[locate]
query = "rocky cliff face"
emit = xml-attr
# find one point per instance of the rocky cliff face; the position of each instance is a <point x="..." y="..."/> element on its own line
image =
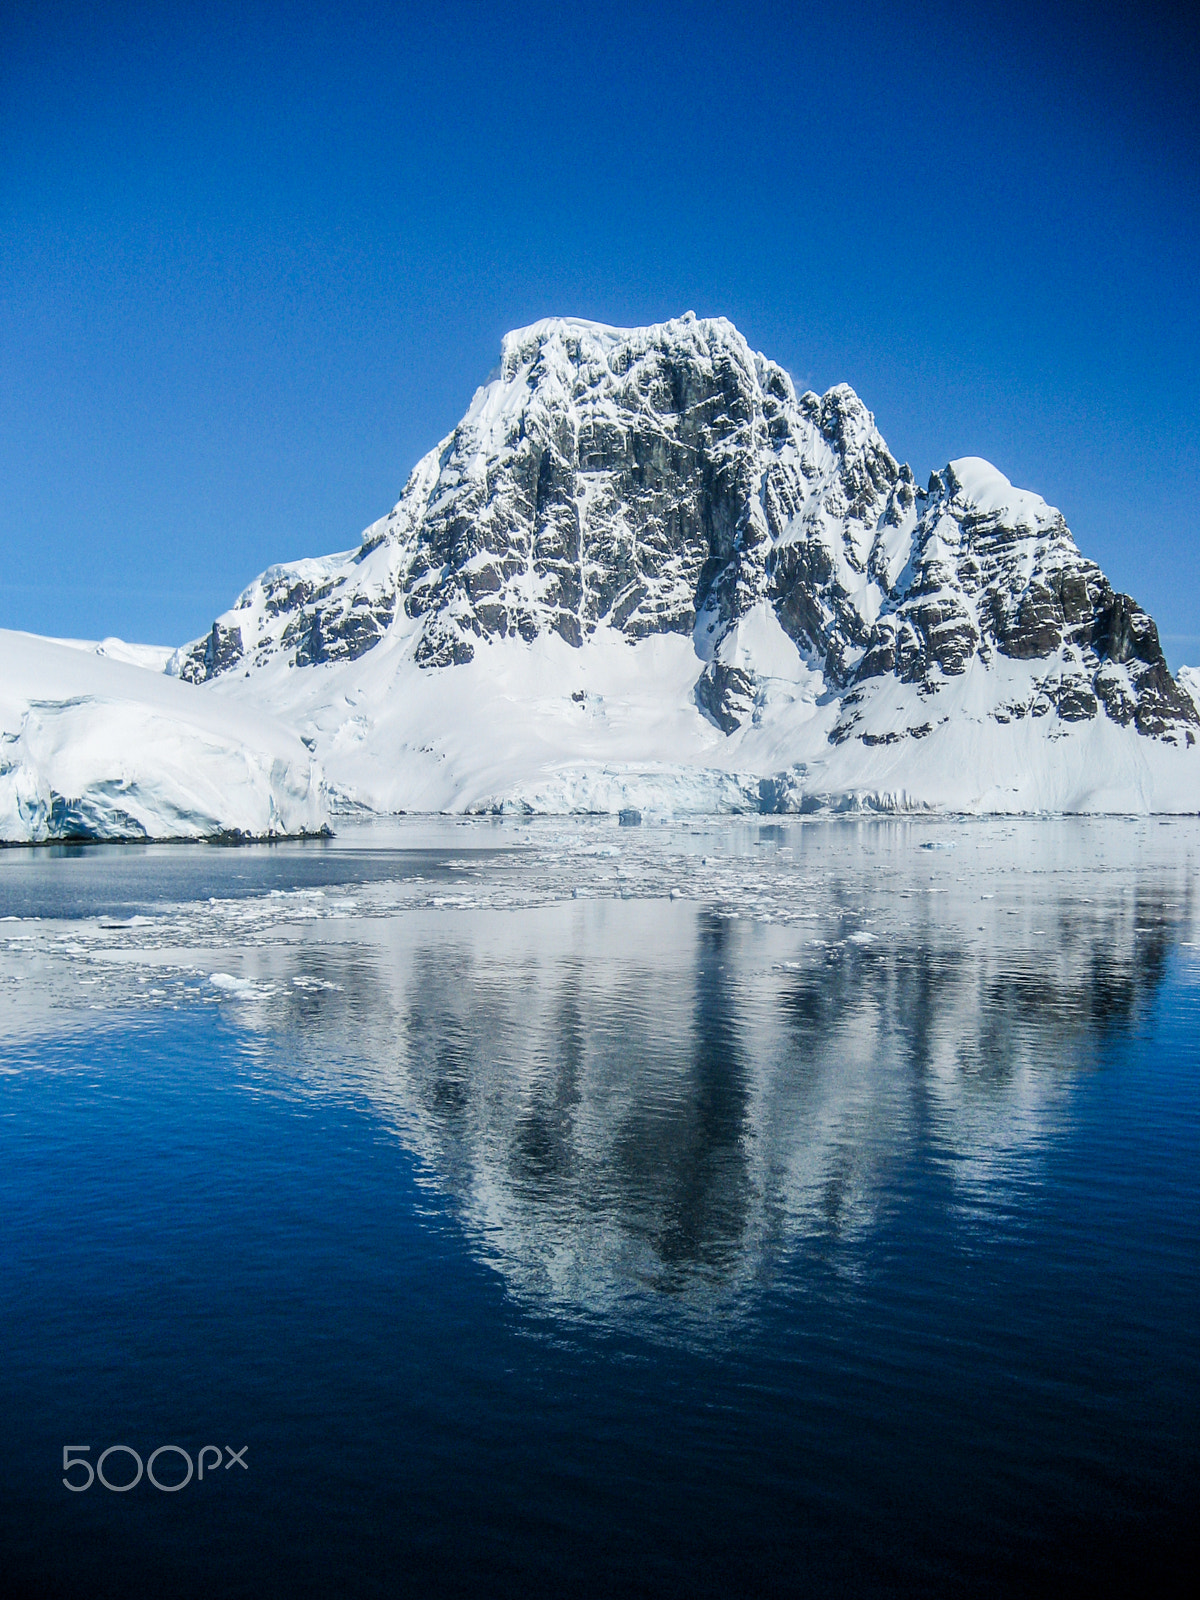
<point x="669" y="480"/>
<point x="993" y="574"/>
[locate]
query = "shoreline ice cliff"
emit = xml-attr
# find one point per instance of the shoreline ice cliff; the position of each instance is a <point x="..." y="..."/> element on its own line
<point x="97" y="747"/>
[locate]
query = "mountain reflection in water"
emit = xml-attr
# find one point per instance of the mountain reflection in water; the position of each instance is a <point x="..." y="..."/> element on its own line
<point x="635" y="1102"/>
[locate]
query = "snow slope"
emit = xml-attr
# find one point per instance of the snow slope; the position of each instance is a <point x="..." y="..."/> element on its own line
<point x="644" y="571"/>
<point x="94" y="747"/>
<point x="543" y="727"/>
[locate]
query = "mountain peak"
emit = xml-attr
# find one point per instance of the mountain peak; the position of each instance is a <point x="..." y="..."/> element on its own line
<point x="610" y="487"/>
<point x="584" y="340"/>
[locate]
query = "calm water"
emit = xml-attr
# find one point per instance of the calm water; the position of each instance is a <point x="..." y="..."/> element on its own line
<point x="563" y="1209"/>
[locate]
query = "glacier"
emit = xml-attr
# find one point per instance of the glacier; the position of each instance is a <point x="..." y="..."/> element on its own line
<point x="97" y="744"/>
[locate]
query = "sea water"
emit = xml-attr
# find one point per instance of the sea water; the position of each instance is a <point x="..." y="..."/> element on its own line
<point x="710" y="1207"/>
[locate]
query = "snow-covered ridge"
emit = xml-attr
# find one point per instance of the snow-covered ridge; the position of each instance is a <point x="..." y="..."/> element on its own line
<point x="153" y="657"/>
<point x="94" y="747"/>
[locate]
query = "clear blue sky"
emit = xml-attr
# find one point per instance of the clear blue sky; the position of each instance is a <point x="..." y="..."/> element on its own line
<point x="255" y="258"/>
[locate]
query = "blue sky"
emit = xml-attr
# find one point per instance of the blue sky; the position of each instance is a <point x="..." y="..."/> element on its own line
<point x="255" y="259"/>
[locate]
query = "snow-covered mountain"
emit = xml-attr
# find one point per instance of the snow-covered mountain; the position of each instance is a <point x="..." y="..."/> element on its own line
<point x="96" y="743"/>
<point x="643" y="570"/>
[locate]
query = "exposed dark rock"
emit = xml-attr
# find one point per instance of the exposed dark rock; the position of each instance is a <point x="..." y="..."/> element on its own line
<point x="443" y="646"/>
<point x="335" y="634"/>
<point x="220" y="651"/>
<point x="1034" y="632"/>
<point x="1076" y="702"/>
<point x="726" y="694"/>
<point x="1121" y="631"/>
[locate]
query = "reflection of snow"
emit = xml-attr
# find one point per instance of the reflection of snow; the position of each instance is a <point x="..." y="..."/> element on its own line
<point x="625" y="1094"/>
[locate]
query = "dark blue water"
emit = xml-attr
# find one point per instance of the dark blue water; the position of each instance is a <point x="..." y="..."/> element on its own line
<point x="623" y="1247"/>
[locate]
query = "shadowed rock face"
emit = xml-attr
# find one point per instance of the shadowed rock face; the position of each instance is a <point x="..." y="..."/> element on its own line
<point x="668" y="479"/>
